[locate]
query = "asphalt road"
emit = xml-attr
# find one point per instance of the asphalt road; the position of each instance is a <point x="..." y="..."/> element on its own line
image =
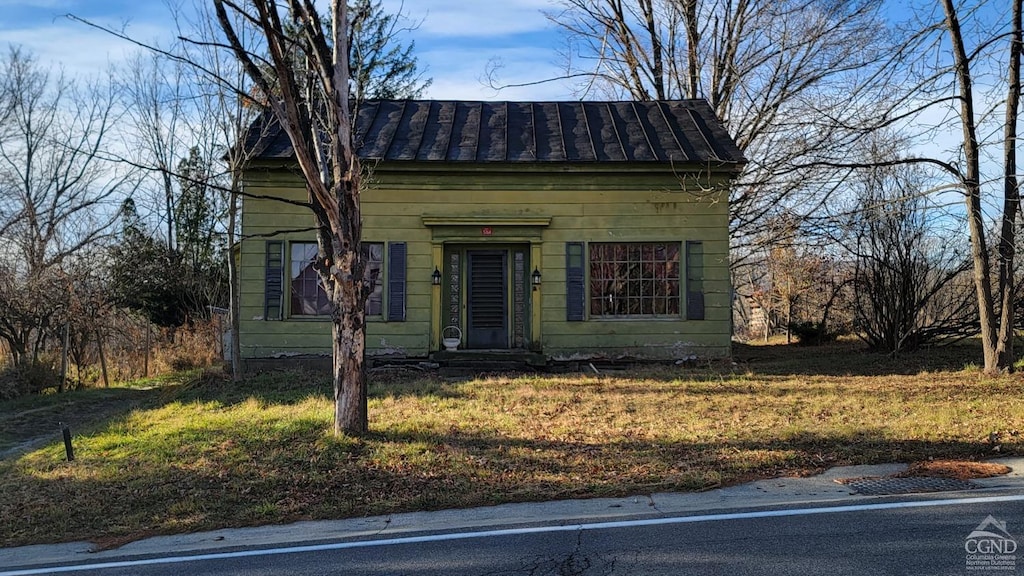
<point x="916" y="536"/>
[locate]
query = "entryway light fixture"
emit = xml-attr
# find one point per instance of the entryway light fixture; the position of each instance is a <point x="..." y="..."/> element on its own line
<point x="435" y="278"/>
<point x="535" y="277"/>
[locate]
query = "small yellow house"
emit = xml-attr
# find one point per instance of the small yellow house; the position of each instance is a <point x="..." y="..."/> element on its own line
<point x="572" y="230"/>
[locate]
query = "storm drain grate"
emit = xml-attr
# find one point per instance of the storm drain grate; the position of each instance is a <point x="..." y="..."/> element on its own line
<point x="911" y="485"/>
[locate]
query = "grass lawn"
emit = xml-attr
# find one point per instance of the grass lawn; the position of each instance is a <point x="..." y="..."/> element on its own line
<point x="201" y="453"/>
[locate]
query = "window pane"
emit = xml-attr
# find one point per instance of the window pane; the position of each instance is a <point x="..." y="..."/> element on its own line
<point x="634" y="252"/>
<point x="373" y="258"/>
<point x="634" y="279"/>
<point x="307" y="296"/>
<point x="672" y="258"/>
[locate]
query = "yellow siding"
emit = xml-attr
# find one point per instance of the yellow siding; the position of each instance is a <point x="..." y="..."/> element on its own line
<point x="586" y="204"/>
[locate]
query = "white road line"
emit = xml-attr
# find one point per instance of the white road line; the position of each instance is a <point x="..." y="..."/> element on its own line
<point x="516" y="531"/>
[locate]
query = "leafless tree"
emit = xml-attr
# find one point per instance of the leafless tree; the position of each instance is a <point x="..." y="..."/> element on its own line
<point x="909" y="280"/>
<point x="224" y="100"/>
<point x="224" y="121"/>
<point x="313" y="110"/>
<point x="169" y="135"/>
<point x="56" y="189"/>
<point x="961" y="64"/>
<point x="154" y="92"/>
<point x="788" y="78"/>
<point x="995" y="303"/>
<point x="195" y="95"/>
<point x="88" y="313"/>
<point x="798" y="285"/>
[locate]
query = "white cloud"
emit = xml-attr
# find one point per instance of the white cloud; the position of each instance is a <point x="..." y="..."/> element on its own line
<point x="454" y="43"/>
<point x="80" y="49"/>
<point x="457" y="40"/>
<point x="460" y="74"/>
<point x="454" y="88"/>
<point x="458" y="19"/>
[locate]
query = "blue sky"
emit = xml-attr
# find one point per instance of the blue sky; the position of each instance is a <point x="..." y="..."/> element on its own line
<point x="455" y="40"/>
<point x="457" y="43"/>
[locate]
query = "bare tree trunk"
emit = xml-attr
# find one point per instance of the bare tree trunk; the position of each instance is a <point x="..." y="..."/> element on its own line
<point x="972" y="194"/>
<point x="66" y="343"/>
<point x="689" y="9"/>
<point x="1011" y="199"/>
<point x="320" y="132"/>
<point x="789" y="321"/>
<point x="657" y="53"/>
<point x="103" y="358"/>
<point x="168" y="183"/>
<point x="350" y="392"/>
<point x="234" y="343"/>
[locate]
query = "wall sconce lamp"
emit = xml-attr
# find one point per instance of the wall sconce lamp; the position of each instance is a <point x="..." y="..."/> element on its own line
<point x="435" y="278"/>
<point x="535" y="277"/>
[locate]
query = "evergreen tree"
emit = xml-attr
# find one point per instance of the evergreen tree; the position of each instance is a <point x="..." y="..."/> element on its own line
<point x="145" y="275"/>
<point x="382" y="67"/>
<point x="194" y="215"/>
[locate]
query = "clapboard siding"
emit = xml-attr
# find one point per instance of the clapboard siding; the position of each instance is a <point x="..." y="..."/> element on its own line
<point x="585" y="203"/>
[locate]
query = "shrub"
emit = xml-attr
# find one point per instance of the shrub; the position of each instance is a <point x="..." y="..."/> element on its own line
<point x="31" y="378"/>
<point x="812" y="333"/>
<point x="187" y="348"/>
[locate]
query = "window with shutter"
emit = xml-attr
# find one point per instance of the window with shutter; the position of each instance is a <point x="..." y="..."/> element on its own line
<point x="636" y="279"/>
<point x="308" y="297"/>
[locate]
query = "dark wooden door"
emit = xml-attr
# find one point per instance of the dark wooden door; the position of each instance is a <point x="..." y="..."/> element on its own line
<point x="487" y="299"/>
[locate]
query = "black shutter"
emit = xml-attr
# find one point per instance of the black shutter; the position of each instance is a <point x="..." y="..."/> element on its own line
<point x="396" y="281"/>
<point x="694" y="280"/>
<point x="273" y="283"/>
<point x="694" y="305"/>
<point x="575" y="283"/>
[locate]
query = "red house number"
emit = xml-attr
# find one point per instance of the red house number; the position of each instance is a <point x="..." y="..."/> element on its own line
<point x="487" y="231"/>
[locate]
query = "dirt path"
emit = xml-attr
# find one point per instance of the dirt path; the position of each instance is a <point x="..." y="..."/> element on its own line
<point x="28" y="424"/>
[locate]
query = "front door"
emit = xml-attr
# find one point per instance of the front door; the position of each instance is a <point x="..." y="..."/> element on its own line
<point x="487" y="299"/>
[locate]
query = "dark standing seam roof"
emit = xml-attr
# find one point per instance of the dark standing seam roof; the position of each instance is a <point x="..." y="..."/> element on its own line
<point x="615" y="131"/>
<point x="676" y="131"/>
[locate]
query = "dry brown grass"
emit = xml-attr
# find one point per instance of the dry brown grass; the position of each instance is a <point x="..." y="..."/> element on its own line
<point x="207" y="453"/>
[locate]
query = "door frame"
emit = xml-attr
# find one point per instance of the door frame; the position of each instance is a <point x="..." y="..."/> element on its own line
<point x="454" y="290"/>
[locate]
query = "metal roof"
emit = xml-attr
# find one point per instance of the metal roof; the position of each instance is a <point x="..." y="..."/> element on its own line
<point x="676" y="131"/>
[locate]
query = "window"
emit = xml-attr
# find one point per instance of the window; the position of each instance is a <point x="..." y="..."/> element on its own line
<point x="373" y="258"/>
<point x="635" y="279"/>
<point x="308" y="297"/>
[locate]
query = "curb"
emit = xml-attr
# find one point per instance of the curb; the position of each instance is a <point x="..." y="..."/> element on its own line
<point x="776" y="492"/>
